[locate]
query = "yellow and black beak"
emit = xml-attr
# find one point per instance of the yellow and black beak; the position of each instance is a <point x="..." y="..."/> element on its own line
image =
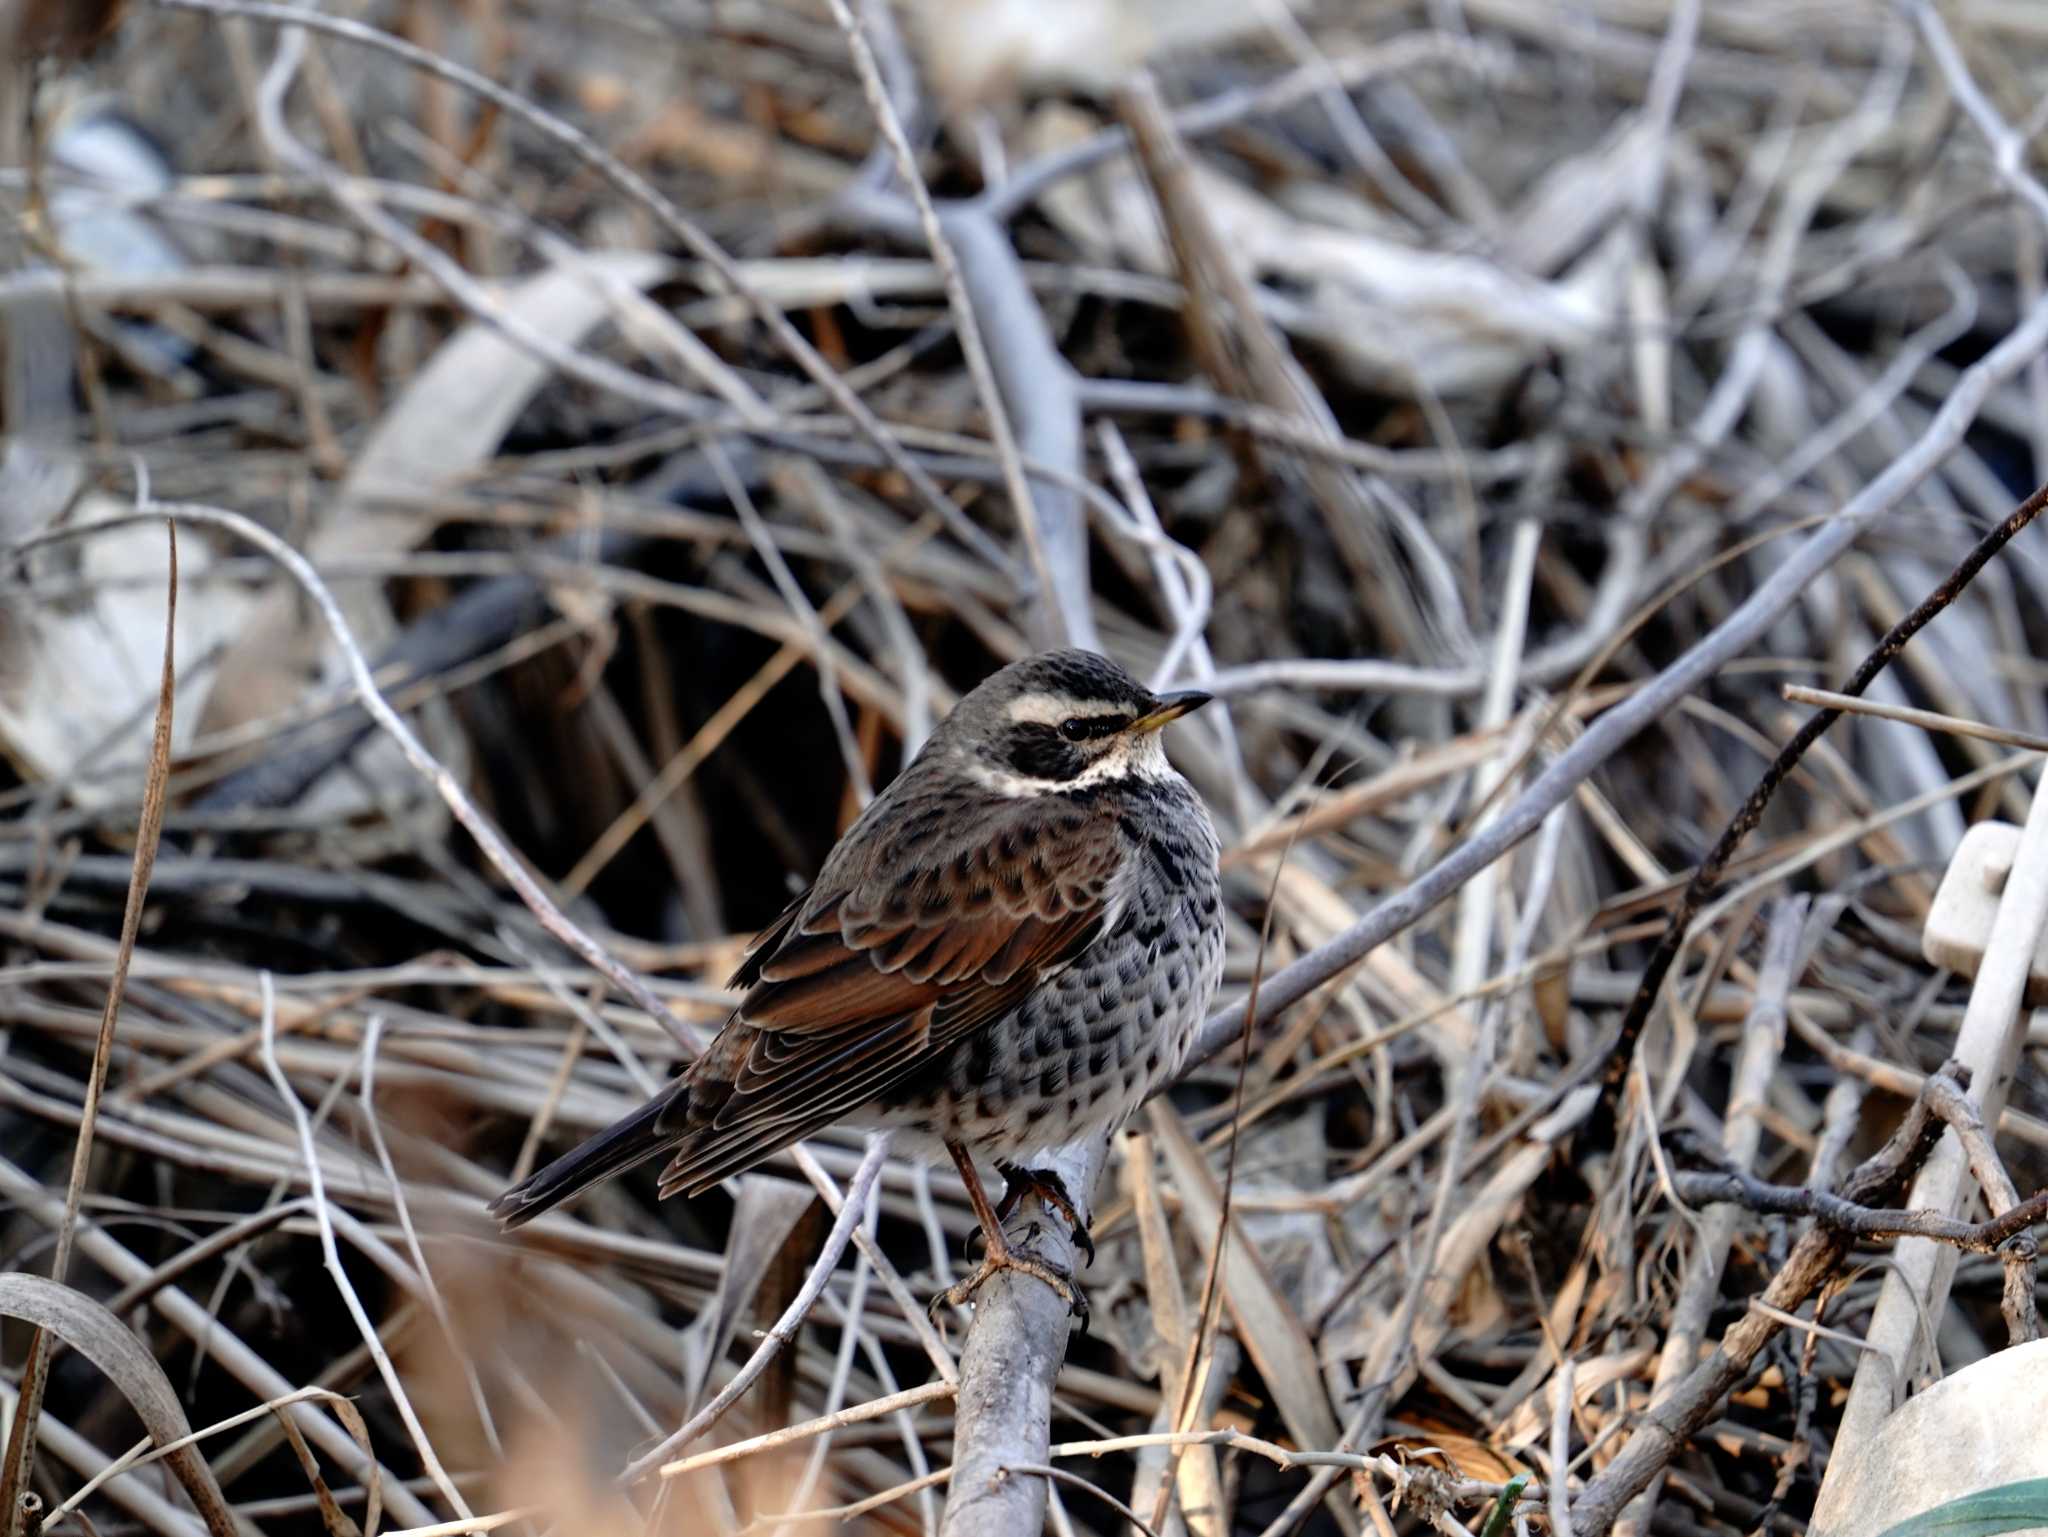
<point x="1169" y="707"/>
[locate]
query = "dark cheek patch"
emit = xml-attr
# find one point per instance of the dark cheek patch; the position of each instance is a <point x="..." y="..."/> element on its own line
<point x="1040" y="752"/>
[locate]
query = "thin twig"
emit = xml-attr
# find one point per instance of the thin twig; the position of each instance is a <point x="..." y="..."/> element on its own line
<point x="909" y="1398"/>
<point x="1708" y="875"/>
<point x="331" y="1255"/>
<point x="1927" y="720"/>
<point x="859" y="1190"/>
<point x="1862" y="1222"/>
<point x="1066" y="612"/>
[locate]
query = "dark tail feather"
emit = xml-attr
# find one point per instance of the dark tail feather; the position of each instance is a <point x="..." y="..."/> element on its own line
<point x="623" y="1145"/>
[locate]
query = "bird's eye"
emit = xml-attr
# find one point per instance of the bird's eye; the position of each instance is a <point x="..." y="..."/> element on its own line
<point x="1073" y="728"/>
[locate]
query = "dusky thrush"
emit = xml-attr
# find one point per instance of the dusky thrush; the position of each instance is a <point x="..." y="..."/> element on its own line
<point x="1008" y="951"/>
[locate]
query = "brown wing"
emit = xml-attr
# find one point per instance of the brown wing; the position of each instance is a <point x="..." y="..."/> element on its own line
<point x="909" y="943"/>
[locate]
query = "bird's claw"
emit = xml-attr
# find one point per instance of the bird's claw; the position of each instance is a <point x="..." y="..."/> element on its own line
<point x="1047" y="1185"/>
<point x="962" y="1292"/>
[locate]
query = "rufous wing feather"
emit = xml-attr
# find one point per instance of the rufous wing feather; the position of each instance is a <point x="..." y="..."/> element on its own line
<point x="882" y="968"/>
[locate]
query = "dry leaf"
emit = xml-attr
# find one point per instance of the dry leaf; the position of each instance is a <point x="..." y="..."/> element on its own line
<point x="113" y="1347"/>
<point x="982" y="50"/>
<point x="80" y="659"/>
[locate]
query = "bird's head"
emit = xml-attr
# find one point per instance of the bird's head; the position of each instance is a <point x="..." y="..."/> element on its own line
<point x="1061" y="720"/>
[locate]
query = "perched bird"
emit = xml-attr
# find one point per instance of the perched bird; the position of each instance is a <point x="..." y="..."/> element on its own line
<point x="1008" y="951"/>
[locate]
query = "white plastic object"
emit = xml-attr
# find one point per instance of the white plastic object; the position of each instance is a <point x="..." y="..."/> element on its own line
<point x="1976" y="1429"/>
<point x="1959" y="924"/>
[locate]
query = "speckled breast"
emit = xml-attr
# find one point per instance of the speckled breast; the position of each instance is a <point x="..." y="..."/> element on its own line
<point x="1090" y="1044"/>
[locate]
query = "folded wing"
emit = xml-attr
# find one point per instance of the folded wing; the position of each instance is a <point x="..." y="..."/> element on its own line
<point x="898" y="954"/>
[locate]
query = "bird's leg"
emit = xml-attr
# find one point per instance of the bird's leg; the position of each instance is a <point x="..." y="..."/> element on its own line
<point x="1047" y="1185"/>
<point x="1000" y="1256"/>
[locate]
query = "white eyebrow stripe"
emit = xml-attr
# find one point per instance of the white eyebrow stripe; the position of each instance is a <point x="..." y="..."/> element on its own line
<point x="1050" y="709"/>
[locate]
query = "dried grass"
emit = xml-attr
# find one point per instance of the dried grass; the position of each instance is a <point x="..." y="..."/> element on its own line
<point x="597" y="438"/>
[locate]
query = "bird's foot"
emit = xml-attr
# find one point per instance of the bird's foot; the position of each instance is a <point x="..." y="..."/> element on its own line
<point x="1046" y="1184"/>
<point x="1001" y="1257"/>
